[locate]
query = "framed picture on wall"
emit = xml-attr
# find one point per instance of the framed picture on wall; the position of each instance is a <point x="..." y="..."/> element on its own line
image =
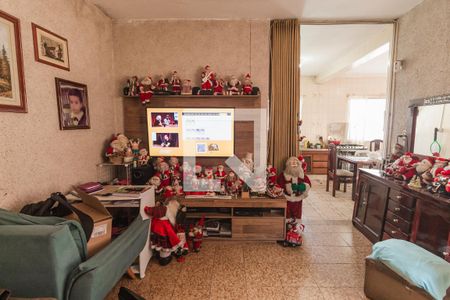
<point x="73" y="107"/>
<point x="12" y="83"/>
<point x="50" y="48"/>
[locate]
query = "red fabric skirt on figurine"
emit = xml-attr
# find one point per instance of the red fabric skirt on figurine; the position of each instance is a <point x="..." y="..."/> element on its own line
<point x="163" y="236"/>
<point x="294" y="210"/>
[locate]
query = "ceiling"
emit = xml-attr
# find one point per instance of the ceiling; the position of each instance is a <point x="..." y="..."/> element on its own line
<point x="345" y="50"/>
<point x="256" y="9"/>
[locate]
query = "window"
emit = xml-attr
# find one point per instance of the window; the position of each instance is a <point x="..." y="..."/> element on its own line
<point x="366" y="119"/>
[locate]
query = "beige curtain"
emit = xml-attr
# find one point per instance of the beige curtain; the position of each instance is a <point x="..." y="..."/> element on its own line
<point x="284" y="91"/>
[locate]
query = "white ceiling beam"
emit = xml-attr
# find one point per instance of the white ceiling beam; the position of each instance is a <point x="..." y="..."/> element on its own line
<point x="345" y="62"/>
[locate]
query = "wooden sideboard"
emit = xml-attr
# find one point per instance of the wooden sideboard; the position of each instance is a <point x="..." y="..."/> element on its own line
<point x="386" y="208"/>
<point x="316" y="159"/>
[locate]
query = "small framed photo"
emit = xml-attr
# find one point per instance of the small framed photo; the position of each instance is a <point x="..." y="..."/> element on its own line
<point x="50" y="48"/>
<point x="73" y="107"/>
<point x="12" y="83"/>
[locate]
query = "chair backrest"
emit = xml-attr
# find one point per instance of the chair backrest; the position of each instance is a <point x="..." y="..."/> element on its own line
<point x="332" y="158"/>
<point x="375" y="145"/>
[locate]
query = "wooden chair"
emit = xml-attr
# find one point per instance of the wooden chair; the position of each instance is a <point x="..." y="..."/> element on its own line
<point x="376" y="145"/>
<point x="336" y="175"/>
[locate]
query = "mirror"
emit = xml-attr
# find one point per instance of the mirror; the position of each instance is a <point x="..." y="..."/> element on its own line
<point x="432" y="129"/>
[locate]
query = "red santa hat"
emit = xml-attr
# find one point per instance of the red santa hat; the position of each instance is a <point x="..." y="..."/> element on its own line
<point x="302" y="160"/>
<point x="273" y="170"/>
<point x="156" y="212"/>
<point x="201" y="222"/>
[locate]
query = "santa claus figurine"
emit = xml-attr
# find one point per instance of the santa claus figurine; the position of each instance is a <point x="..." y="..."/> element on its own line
<point x="233" y="86"/>
<point x="293" y="235"/>
<point x="196" y="235"/>
<point x="296" y="186"/>
<point x="177" y="188"/>
<point x="232" y="183"/>
<point x="163" y="84"/>
<point x="146" y="90"/>
<point x="155" y="182"/>
<point x="183" y="250"/>
<point x="163" y="236"/>
<point x="438" y="166"/>
<point x="174" y="164"/>
<point x="164" y="174"/>
<point x="208" y="173"/>
<point x="176" y="83"/>
<point x="198" y="171"/>
<point x="422" y="167"/>
<point x="220" y="173"/>
<point x="247" y="86"/>
<point x="207" y="79"/>
<point x="406" y="169"/>
<point x="271" y="175"/>
<point x="218" y="87"/>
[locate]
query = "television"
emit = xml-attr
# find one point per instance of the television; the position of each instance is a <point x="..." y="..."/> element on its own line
<point x="201" y="132"/>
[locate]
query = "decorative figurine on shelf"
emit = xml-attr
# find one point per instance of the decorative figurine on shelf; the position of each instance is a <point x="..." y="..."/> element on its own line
<point x="117" y="148"/>
<point x="163" y="236"/>
<point x="146" y="90"/>
<point x="438" y="166"/>
<point x="296" y="186"/>
<point x="407" y="167"/>
<point x="163" y="85"/>
<point x="271" y="175"/>
<point x="198" y="171"/>
<point x="233" y="86"/>
<point x="143" y="157"/>
<point x="134" y="87"/>
<point x="207" y="81"/>
<point x="129" y="156"/>
<point x="183" y="250"/>
<point x="293" y="234"/>
<point x="187" y="171"/>
<point x="174" y="164"/>
<point x="220" y="173"/>
<point x="397" y="152"/>
<point x="219" y="87"/>
<point x="155" y="182"/>
<point x="232" y="183"/>
<point x="274" y="190"/>
<point x="168" y="192"/>
<point x="208" y="173"/>
<point x="134" y="144"/>
<point x="196" y="234"/>
<point x="247" y="85"/>
<point x="164" y="173"/>
<point x="421" y="168"/>
<point x="176" y="83"/>
<point x="177" y="188"/>
<point x="186" y="88"/>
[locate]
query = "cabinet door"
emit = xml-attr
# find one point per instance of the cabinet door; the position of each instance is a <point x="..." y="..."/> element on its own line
<point x="375" y="210"/>
<point x="431" y="228"/>
<point x="361" y="201"/>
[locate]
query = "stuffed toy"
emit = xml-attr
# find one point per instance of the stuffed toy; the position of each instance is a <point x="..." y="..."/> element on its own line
<point x="177" y="188"/>
<point x="271" y="174"/>
<point x="207" y="80"/>
<point x="233" y="86"/>
<point x="182" y="251"/>
<point x="174" y="164"/>
<point x="164" y="174"/>
<point x="187" y="87"/>
<point x="422" y="167"/>
<point x="143" y="157"/>
<point x="198" y="171"/>
<point x="247" y="85"/>
<point x="163" y="236"/>
<point x="296" y="186"/>
<point x="220" y="173"/>
<point x="146" y="90"/>
<point x="134" y="145"/>
<point x="407" y="170"/>
<point x="293" y="234"/>
<point x="232" y="183"/>
<point x="163" y="84"/>
<point x="274" y="190"/>
<point x="176" y="83"/>
<point x="208" y="173"/>
<point x="196" y="235"/>
<point x="155" y="182"/>
<point x="439" y="165"/>
<point x="218" y="87"/>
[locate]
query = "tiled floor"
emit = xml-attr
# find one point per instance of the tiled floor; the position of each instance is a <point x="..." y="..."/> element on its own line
<point x="329" y="265"/>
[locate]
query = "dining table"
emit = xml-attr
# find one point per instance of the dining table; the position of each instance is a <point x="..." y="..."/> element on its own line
<point x="355" y="162"/>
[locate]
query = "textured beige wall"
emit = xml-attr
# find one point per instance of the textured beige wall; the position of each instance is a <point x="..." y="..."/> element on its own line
<point x="37" y="158"/>
<point x="159" y="47"/>
<point x="424" y="45"/>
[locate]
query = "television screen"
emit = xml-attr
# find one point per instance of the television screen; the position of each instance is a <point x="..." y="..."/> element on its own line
<point x="191" y="131"/>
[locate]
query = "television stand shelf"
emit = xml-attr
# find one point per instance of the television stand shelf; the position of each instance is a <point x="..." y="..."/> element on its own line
<point x="260" y="219"/>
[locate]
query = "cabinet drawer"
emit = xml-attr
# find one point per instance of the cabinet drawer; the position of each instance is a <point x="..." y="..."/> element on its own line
<point x="258" y="228"/>
<point x="320" y="157"/>
<point x="404" y="225"/>
<point x="400" y="210"/>
<point x="402" y="198"/>
<point x="319" y="164"/>
<point x="394" y="232"/>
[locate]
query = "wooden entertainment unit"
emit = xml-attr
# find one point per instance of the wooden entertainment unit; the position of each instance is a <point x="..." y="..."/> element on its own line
<point x="251" y="218"/>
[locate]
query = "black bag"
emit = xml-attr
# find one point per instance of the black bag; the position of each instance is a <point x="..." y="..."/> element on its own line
<point x="63" y="208"/>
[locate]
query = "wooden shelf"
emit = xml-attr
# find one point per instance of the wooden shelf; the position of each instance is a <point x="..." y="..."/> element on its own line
<point x="208" y="215"/>
<point x="197" y="96"/>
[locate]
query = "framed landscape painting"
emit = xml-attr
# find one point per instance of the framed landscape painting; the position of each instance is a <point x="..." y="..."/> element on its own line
<point x="73" y="107"/>
<point x="50" y="48"/>
<point x="12" y="83"/>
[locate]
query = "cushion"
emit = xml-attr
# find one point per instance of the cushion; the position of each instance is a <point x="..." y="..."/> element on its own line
<point x="415" y="264"/>
<point x="343" y="172"/>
